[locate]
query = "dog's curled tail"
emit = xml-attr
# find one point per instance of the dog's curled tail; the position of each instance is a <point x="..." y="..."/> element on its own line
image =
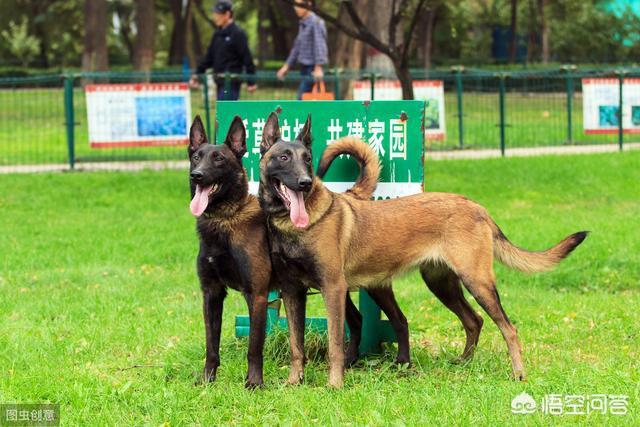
<point x="533" y="261"/>
<point x="367" y="159"/>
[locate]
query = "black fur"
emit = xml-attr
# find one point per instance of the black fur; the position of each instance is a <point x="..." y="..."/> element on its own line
<point x="220" y="263"/>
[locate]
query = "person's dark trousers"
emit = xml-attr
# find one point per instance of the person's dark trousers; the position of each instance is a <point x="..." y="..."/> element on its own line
<point x="234" y="91"/>
<point x="306" y="85"/>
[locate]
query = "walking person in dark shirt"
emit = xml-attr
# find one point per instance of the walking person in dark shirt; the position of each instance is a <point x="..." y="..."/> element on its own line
<point x="227" y="52"/>
<point x="309" y="49"/>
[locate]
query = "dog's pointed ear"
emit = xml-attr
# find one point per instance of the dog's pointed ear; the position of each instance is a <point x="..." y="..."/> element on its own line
<point x="270" y="133"/>
<point x="197" y="135"/>
<point x="305" y="134"/>
<point x="236" y="138"/>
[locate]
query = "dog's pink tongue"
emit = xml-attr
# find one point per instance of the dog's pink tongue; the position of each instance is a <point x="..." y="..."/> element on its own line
<point x="200" y="200"/>
<point x="298" y="213"/>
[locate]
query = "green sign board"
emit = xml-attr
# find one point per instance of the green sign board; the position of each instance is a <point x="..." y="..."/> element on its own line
<point x="394" y="129"/>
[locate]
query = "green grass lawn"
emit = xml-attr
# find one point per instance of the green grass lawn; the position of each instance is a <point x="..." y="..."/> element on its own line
<point x="32" y="124"/>
<point x="101" y="309"/>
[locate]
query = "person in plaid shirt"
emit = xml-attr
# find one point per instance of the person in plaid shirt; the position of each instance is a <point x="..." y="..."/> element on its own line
<point x="309" y="49"/>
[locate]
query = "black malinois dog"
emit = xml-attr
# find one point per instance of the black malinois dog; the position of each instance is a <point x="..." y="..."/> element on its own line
<point x="233" y="241"/>
<point x="234" y="250"/>
<point x="336" y="243"/>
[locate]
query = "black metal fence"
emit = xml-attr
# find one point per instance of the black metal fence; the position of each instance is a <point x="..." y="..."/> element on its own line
<point x="43" y="120"/>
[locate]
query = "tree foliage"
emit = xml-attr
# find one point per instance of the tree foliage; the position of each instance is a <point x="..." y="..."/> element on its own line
<point x="24" y="46"/>
<point x="50" y="33"/>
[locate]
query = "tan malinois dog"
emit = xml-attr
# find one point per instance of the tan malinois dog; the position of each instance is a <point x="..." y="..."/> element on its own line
<point x="335" y="243"/>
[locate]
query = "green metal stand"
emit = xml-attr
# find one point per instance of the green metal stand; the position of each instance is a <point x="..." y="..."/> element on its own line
<point x="374" y="330"/>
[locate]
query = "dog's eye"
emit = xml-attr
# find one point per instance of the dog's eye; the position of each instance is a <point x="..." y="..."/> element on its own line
<point x="284" y="157"/>
<point x="196" y="157"/>
<point x="307" y="159"/>
<point x="218" y="158"/>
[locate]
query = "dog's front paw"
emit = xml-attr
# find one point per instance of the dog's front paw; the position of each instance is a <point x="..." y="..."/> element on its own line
<point x="252" y="384"/>
<point x="519" y="375"/>
<point x="403" y="361"/>
<point x="295" y="377"/>
<point x="204" y="377"/>
<point x="209" y="374"/>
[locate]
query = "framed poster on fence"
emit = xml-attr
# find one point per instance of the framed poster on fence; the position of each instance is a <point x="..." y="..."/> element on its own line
<point x="601" y="105"/>
<point x="429" y="91"/>
<point x="140" y="114"/>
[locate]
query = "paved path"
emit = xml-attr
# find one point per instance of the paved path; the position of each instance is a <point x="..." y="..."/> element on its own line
<point x="431" y="155"/>
<point x="98" y="166"/>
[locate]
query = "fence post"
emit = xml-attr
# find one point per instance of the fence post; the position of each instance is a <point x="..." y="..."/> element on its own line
<point x="227" y="86"/>
<point x="372" y="79"/>
<point x="69" y="119"/>
<point x="502" y="77"/>
<point x="207" y="109"/>
<point x="569" y="85"/>
<point x="620" y="107"/>
<point x="336" y="83"/>
<point x="458" y="71"/>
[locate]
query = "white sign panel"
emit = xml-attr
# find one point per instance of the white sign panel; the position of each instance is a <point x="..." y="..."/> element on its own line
<point x="601" y="105"/>
<point x="141" y="114"/>
<point x="429" y="91"/>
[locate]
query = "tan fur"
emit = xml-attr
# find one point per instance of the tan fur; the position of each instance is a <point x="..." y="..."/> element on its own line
<point x="388" y="237"/>
<point x="361" y="243"/>
<point x="367" y="159"/>
<point x="529" y="261"/>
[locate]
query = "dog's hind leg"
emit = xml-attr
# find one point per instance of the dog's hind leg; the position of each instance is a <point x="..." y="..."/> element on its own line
<point x="386" y="300"/>
<point x="354" y="321"/>
<point x="480" y="280"/>
<point x="445" y="285"/>
<point x="487" y="296"/>
<point x="295" y="302"/>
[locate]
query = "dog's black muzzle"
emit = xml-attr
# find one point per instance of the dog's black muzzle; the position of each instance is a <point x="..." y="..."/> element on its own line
<point x="196" y="176"/>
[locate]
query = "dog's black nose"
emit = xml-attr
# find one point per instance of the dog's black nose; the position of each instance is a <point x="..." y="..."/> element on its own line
<point x="305" y="183"/>
<point x="196" y="176"/>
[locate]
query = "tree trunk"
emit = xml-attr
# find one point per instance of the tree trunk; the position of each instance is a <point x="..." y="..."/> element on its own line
<point x="379" y="15"/>
<point x="406" y="81"/>
<point x="283" y="24"/>
<point x="41" y="33"/>
<point x="178" y="33"/>
<point x="145" y="39"/>
<point x="428" y="42"/>
<point x="544" y="31"/>
<point x="348" y="52"/>
<point x="513" y="45"/>
<point x="263" y="31"/>
<point x="196" y="40"/>
<point x="95" y="55"/>
<point x="189" y="21"/>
